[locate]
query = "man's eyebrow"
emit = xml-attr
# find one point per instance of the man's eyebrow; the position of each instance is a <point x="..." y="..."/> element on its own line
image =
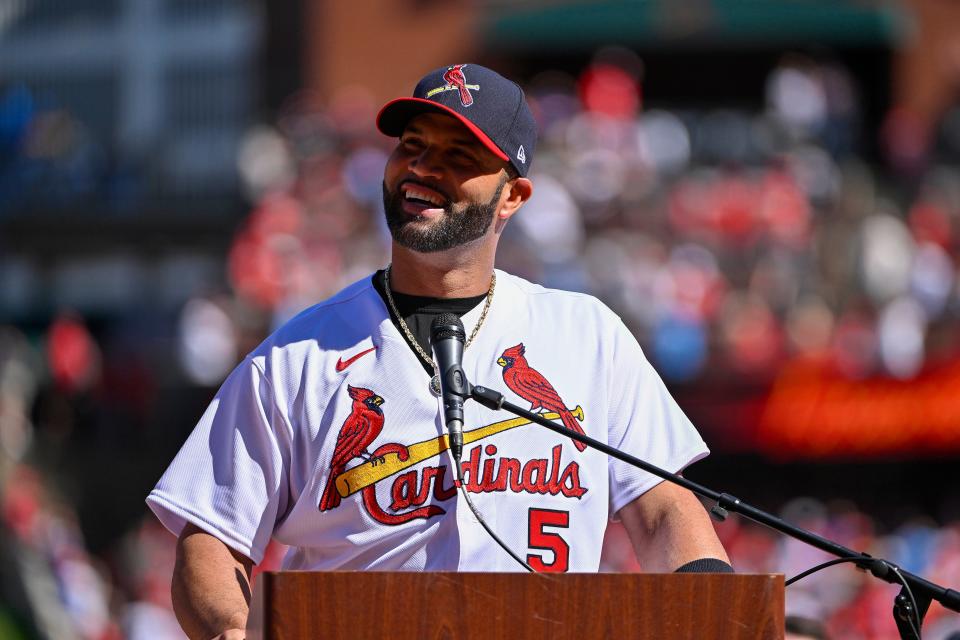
<point x="465" y="142"/>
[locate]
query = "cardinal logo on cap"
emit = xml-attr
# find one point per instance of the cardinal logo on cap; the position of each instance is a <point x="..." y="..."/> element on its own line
<point x="456" y="81"/>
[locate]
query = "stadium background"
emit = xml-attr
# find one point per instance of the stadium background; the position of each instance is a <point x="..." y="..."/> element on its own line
<point x="768" y="192"/>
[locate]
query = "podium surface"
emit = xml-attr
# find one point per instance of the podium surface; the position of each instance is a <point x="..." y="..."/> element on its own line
<point x="423" y="606"/>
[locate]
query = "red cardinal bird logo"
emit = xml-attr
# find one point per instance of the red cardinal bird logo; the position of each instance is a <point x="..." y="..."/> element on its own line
<point x="359" y="430"/>
<point x="454" y="76"/>
<point x="529" y="384"/>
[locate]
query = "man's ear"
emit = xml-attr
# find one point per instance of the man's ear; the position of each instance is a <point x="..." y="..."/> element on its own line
<point x="518" y="191"/>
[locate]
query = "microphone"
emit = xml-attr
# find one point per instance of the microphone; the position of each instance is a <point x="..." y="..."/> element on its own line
<point x="447" y="339"/>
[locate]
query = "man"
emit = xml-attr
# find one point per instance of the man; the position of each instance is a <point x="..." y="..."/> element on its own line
<point x="326" y="436"/>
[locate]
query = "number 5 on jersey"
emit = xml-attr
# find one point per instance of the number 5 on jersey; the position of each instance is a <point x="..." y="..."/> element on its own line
<point x="540" y="538"/>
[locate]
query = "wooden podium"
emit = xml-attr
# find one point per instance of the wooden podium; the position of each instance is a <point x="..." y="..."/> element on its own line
<point x="472" y="606"/>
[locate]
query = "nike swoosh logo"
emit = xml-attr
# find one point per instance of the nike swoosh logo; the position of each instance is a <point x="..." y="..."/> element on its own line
<point x="343" y="364"/>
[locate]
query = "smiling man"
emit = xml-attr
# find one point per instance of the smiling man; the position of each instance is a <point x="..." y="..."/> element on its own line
<point x="329" y="436"/>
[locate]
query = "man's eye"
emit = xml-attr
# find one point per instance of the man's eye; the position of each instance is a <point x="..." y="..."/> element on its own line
<point x="462" y="156"/>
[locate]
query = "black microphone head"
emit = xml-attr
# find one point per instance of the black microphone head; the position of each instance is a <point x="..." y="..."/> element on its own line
<point x="447" y="325"/>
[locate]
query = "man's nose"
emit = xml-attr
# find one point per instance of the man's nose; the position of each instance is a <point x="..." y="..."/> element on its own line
<point x="426" y="163"/>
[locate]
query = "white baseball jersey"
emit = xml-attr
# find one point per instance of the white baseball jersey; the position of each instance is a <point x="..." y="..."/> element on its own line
<point x="328" y="438"/>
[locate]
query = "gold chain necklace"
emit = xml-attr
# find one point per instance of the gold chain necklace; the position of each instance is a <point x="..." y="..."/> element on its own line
<point x="435" y="380"/>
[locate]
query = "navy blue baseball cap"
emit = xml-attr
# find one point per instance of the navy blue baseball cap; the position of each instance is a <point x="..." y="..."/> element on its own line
<point x="492" y="107"/>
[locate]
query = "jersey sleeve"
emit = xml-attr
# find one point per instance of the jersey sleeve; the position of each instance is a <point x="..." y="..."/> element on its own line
<point x="645" y="421"/>
<point x="229" y="477"/>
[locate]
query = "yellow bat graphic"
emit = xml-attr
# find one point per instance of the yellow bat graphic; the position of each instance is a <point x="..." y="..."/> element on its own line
<point x="366" y="474"/>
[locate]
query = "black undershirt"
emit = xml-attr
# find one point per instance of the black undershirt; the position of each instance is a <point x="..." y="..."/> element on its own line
<point x="419" y="311"/>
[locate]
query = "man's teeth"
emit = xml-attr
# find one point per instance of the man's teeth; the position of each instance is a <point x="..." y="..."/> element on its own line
<point x="413" y="193"/>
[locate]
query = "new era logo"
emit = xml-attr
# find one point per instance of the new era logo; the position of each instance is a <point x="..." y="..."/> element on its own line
<point x="522" y="155"/>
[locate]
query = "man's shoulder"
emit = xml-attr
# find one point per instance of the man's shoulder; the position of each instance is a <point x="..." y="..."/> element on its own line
<point x="348" y="316"/>
<point x="357" y="294"/>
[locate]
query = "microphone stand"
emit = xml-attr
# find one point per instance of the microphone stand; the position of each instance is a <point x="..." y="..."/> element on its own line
<point x="916" y="593"/>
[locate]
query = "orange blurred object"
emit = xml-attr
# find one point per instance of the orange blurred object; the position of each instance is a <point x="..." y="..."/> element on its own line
<point x="814" y="411"/>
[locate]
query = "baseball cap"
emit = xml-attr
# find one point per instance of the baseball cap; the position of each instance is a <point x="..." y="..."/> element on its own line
<point x="492" y="107"/>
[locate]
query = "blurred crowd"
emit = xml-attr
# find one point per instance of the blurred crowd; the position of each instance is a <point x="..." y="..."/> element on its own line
<point x="54" y="587"/>
<point x="849" y="604"/>
<point x="731" y="241"/>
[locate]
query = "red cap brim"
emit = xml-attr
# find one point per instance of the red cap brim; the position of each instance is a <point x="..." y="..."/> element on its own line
<point x="395" y="115"/>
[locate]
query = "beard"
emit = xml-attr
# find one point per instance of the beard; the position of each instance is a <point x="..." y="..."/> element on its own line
<point x="458" y="225"/>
